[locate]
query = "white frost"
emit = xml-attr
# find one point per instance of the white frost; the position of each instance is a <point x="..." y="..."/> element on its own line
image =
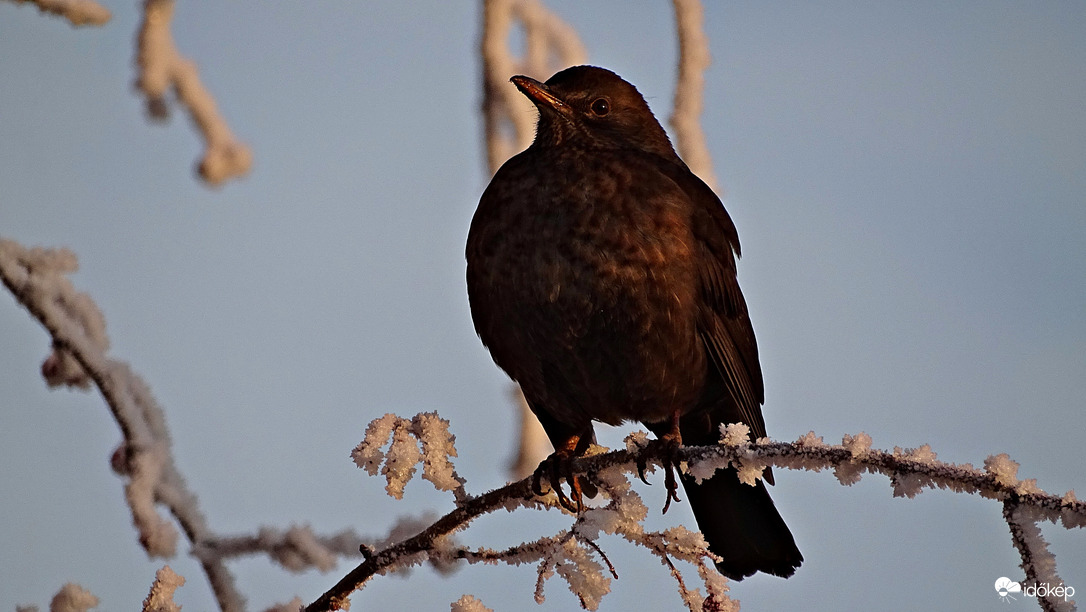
<point x="160" y="599"/>
<point x="437" y="446"/>
<point x="73" y="598"/>
<point x="468" y="603"/>
<point x="750" y="470"/>
<point x="735" y="434"/>
<point x="1003" y="469"/>
<point x="368" y="455"/>
<point x="403" y="454"/>
<point x="636" y="441"/>
<point x="810" y="440"/>
<point x="858" y="445"/>
<point x="400" y="460"/>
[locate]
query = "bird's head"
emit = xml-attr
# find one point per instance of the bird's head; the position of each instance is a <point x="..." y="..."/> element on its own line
<point x="596" y="107"/>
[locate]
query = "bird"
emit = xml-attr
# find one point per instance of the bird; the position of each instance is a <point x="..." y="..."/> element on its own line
<point x="601" y="276"/>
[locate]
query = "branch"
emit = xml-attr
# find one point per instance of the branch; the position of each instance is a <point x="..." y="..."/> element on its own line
<point x="621" y="516"/>
<point x="1038" y="563"/>
<point x="77" y="12"/>
<point x="694" y="60"/>
<point x="508" y="117"/>
<point x="408" y="550"/>
<point x="910" y="470"/>
<point x="161" y="67"/>
<point x="434" y="541"/>
<point x="296" y="549"/>
<point x="36" y="278"/>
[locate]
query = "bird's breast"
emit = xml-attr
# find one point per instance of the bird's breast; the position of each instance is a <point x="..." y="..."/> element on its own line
<point x="591" y="270"/>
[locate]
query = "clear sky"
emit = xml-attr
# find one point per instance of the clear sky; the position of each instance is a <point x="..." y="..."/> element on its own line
<point x="908" y="181"/>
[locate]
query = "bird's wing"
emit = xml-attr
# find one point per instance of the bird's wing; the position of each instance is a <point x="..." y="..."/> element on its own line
<point x="725" y="325"/>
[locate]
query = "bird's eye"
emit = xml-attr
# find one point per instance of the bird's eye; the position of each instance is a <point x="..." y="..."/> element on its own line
<point x="600" y="106"/>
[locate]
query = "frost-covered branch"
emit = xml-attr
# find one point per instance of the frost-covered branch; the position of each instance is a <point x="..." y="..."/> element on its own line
<point x="77" y="12"/>
<point x="162" y="67"/>
<point x="910" y="470"/>
<point x="74" y="598"/>
<point x="393" y="447"/>
<point x="408" y="552"/>
<point x="694" y="60"/>
<point x="1037" y="562"/>
<point x="296" y="549"/>
<point x="571" y="554"/>
<point x="575" y="556"/>
<point x="550" y="44"/>
<point x="37" y="278"/>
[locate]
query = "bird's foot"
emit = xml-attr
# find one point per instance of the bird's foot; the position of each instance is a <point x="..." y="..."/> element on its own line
<point x="669" y="446"/>
<point x="556" y="467"/>
<point x="670" y="460"/>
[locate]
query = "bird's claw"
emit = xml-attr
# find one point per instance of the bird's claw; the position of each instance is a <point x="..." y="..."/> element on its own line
<point x="558" y="468"/>
<point x="642" y="463"/>
<point x="671" y="486"/>
<point x="669" y="460"/>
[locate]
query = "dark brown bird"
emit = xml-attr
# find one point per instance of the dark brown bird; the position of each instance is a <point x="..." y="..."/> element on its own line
<point x="601" y="276"/>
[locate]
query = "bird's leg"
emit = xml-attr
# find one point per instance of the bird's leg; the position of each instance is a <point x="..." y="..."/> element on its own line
<point x="558" y="466"/>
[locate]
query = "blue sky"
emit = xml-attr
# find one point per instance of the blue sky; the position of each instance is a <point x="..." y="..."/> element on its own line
<point x="909" y="185"/>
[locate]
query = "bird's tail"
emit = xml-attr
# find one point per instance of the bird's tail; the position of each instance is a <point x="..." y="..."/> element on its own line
<point x="742" y="526"/>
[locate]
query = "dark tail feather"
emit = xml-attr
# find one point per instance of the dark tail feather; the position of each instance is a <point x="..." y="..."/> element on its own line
<point x="742" y="526"/>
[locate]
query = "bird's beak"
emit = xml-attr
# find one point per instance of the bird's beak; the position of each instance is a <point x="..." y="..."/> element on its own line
<point x="539" y="94"/>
